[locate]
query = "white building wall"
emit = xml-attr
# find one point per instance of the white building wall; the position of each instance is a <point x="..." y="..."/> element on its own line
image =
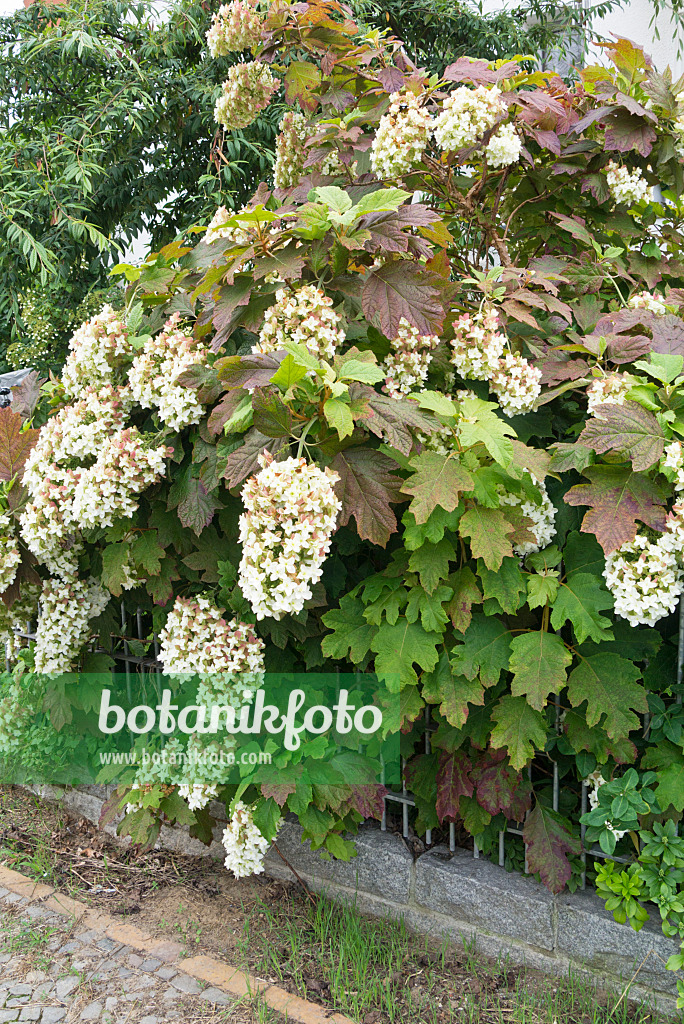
<point x="634" y="21"/>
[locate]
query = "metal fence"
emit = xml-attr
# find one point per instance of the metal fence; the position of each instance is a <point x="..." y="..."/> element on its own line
<point x="132" y="628"/>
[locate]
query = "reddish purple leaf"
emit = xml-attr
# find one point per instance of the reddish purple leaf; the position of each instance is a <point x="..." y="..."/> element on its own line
<point x="453" y="782"/>
<point x="548" y="840"/>
<point x="499" y="788"/>
<point x="400" y="289"/>
<point x="366" y="488"/>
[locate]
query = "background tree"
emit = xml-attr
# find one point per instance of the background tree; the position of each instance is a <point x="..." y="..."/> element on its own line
<point x="106" y="129"/>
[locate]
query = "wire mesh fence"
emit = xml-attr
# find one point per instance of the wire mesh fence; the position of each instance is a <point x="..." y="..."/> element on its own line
<point x="134" y="632"/>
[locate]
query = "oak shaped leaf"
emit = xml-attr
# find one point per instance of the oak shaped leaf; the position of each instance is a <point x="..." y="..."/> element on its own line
<point x="452" y="691"/>
<point x="485" y="651"/>
<point x="549" y="842"/>
<point x="500" y="789"/>
<point x="519" y="729"/>
<point x="397" y="648"/>
<point x="367" y="487"/>
<point x="608" y="683"/>
<point x="436" y="480"/>
<point x="580" y="599"/>
<point x="627" y="428"/>
<point x="399" y="289"/>
<point x="15" y="443"/>
<point x="538" y="662"/>
<point x="453" y="782"/>
<point x="618" y="498"/>
<point x="488" y="531"/>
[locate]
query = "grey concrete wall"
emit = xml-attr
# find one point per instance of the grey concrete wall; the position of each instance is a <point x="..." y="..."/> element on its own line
<point x="455" y="895"/>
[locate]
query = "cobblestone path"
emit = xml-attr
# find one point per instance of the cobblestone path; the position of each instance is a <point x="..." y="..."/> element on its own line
<point x="52" y="971"/>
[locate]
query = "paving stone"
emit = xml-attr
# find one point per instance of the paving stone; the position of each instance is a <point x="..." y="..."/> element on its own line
<point x="111" y="1002"/>
<point x="17" y="1001"/>
<point x="92" y="1011"/>
<point x="184" y="983"/>
<point x="106" y="945"/>
<point x="149" y="1019"/>
<point x="65" y="986"/>
<point x="166" y="973"/>
<point x="30" y="1013"/>
<point x="70" y="947"/>
<point x="8" y="1015"/>
<point x="134" y="960"/>
<point x="35" y="976"/>
<point x="52" y="1015"/>
<point x="123" y="972"/>
<point x="215" y="995"/>
<point x="150" y="965"/>
<point x="3" y="893"/>
<point x="20" y="990"/>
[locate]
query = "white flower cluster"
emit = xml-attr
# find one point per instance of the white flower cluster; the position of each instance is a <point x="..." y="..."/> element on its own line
<point x="77" y="431"/>
<point x="247" y="91"/>
<point x="197" y="640"/>
<point x="65" y="610"/>
<point x="477" y="345"/>
<point x="466" y="115"/>
<point x="304" y="316"/>
<point x="96" y="349"/>
<point x="644" y="300"/>
<point x="516" y="384"/>
<point x="678" y="129"/>
<point x="673" y="460"/>
<point x="290" y="150"/>
<point x="290" y="514"/>
<point x="47" y="524"/>
<point x="153" y="377"/>
<point x="401" y="137"/>
<point x="244" y="844"/>
<point x="542" y="513"/>
<point x="10" y="556"/>
<point x="407" y="364"/>
<point x="609" y="390"/>
<point x="218" y="228"/>
<point x="18" y="619"/>
<point x="645" y="576"/>
<point x="235" y="26"/>
<point x="198" y="795"/>
<point x="109" y="488"/>
<point x="504" y="147"/>
<point x="626" y="187"/>
<point x="595" y="781"/>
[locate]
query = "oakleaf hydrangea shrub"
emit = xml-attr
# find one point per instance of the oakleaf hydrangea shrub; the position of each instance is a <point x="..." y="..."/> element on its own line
<point x="417" y="410"/>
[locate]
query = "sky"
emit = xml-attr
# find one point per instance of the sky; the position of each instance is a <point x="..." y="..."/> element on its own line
<point x="7" y="6"/>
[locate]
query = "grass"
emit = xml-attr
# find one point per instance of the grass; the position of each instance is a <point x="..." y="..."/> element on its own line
<point x="377" y="971"/>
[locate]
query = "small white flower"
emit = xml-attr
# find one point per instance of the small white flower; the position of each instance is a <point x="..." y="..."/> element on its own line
<point x="247" y="91"/>
<point x="305" y="317"/>
<point x="244" y="844"/>
<point x="401" y="137"/>
<point x="625" y="186"/>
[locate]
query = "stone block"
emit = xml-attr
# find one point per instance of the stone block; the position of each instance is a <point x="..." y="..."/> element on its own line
<point x="589" y="935"/>
<point x="485" y="896"/>
<point x="382" y="866"/>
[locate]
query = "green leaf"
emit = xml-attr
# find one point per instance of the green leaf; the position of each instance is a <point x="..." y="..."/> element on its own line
<point x="147" y="552"/>
<point x="480" y="425"/>
<point x="436" y="402"/>
<point x="466" y="594"/>
<point x="542" y="589"/>
<point x="664" y="367"/>
<point x="352" y="634"/>
<point x="519" y="729"/>
<point x="668" y="760"/>
<point x="485" y="650"/>
<point x="538" y="663"/>
<point x="398" y="647"/>
<point x="432" y="529"/>
<point x="436" y="480"/>
<point x="503" y="589"/>
<point x="334" y="197"/>
<point x="366" y="372"/>
<point x="381" y="200"/>
<point x="627" y="428"/>
<point x="338" y="414"/>
<point x="288" y="373"/>
<point x="387" y="605"/>
<point x="429" y="607"/>
<point x="488" y="530"/>
<point x="548" y="841"/>
<point x="452" y="691"/>
<point x="609" y="685"/>
<point x="580" y="600"/>
<point x="116" y="567"/>
<point x="301" y="81"/>
<point x="431" y="562"/>
<point x="583" y="554"/>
